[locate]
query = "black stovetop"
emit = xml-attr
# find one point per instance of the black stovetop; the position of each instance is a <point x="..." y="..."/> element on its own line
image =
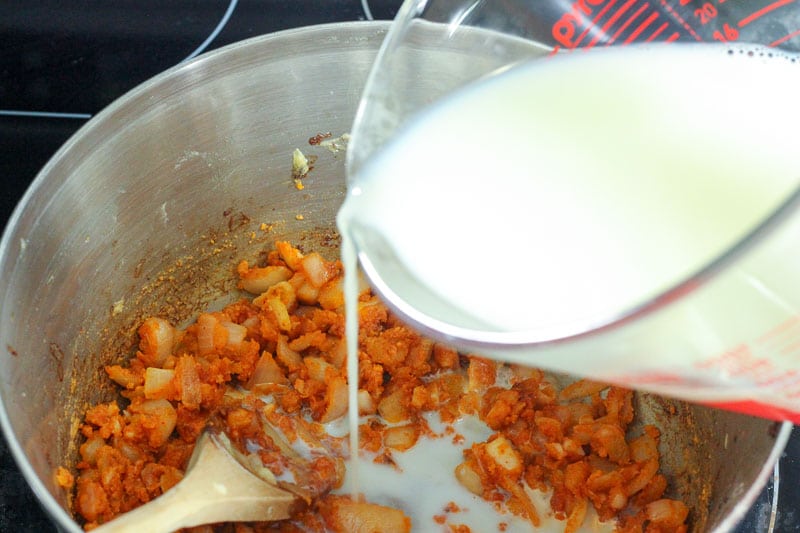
<point x="62" y="62"/>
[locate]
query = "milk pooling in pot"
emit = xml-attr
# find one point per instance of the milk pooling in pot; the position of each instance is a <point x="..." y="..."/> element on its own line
<point x="563" y="194"/>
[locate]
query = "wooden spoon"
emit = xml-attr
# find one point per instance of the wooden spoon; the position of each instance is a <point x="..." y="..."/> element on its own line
<point x="216" y="488"/>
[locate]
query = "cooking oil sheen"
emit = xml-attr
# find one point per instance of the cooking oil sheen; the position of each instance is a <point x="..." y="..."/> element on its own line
<point x="571" y="189"/>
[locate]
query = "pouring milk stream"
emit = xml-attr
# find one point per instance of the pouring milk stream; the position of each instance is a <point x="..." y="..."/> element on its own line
<point x="625" y="214"/>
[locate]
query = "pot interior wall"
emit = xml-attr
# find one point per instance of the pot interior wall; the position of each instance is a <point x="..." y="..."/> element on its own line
<point x="149" y="207"/>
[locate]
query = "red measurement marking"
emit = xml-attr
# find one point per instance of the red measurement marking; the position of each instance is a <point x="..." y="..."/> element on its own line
<point x="785" y="38"/>
<point x="628" y="23"/>
<point x="759" y="409"/>
<point x="786" y="326"/>
<point x="668" y="8"/>
<point x="658" y="32"/>
<point x="593" y="25"/>
<point x="727" y="34"/>
<point x="643" y="26"/>
<point x="673" y="37"/>
<point x="576" y="19"/>
<point x="706" y="13"/>
<point x="611" y="21"/>
<point x="763" y="11"/>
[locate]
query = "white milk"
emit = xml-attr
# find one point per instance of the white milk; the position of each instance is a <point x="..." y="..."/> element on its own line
<point x="566" y="192"/>
<point x="423" y="484"/>
<point x="571" y="189"/>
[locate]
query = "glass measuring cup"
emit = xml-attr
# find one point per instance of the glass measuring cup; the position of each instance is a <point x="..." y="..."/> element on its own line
<point x="708" y="337"/>
<point x="500" y="34"/>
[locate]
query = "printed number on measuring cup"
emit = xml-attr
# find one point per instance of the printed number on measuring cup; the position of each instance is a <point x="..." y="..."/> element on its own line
<point x="705" y="13"/>
<point x="727" y="34"/>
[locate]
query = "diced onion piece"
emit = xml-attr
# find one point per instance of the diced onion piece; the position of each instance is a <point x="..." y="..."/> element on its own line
<point x="236" y="334"/>
<point x="313" y="338"/>
<point x="124" y="377"/>
<point x="522" y="373"/>
<point x="281" y="314"/>
<point x="284" y="291"/>
<point x="267" y="371"/>
<point x="258" y="280"/>
<point x="288" y="357"/>
<point x="251" y="323"/>
<point x="299" y="164"/>
<point x="602" y="481"/>
<point x="469" y="478"/>
<point x="555" y="450"/>
<point x="654" y="490"/>
<point x="445" y="356"/>
<point x="290" y="255"/>
<point x="188" y="382"/>
<point x="338" y="356"/>
<point x="579" y="411"/>
<point x="171" y="477"/>
<point x="64" y="478"/>
<point x="577" y="516"/>
<point x="316" y="270"/>
<point x="401" y="438"/>
<point x="343" y="515"/>
<point x="307" y="293"/>
<point x="331" y="295"/>
<point x="366" y="406"/>
<point x="131" y="452"/>
<point x="550" y="428"/>
<point x="281" y="300"/>
<point x="575" y="475"/>
<point x="645" y="447"/>
<point x="503" y="453"/>
<point x="617" y="499"/>
<point x="158" y="383"/>
<point x="609" y="441"/>
<point x="481" y="373"/>
<point x="109" y="463"/>
<point x="581" y="389"/>
<point x="206" y="323"/>
<point x="648" y="470"/>
<point x="317" y="368"/>
<point x="89" y="449"/>
<point x="336" y="400"/>
<point x="440" y="390"/>
<point x="666" y="513"/>
<point x="92" y="500"/>
<point x="501" y="458"/>
<point x="582" y="433"/>
<point x="163" y="416"/>
<point x="573" y="448"/>
<point x="156" y="341"/>
<point x="391" y="407"/>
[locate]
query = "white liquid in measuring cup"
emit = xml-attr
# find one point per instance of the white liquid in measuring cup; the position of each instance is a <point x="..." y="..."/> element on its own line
<point x="561" y="194"/>
<point x="572" y="189"/>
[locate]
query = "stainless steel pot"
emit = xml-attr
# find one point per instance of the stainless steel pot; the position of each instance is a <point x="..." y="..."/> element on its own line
<point x="147" y="209"/>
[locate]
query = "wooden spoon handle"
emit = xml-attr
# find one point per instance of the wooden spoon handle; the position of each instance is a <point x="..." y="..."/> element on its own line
<point x="216" y="489"/>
